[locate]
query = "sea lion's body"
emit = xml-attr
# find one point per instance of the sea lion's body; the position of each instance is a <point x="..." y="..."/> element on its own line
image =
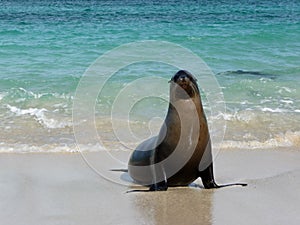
<point x="181" y="152"/>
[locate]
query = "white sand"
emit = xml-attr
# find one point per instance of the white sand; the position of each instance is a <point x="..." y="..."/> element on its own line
<point x="61" y="189"/>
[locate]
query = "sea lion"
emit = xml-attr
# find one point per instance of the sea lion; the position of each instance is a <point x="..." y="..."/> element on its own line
<point x="182" y="150"/>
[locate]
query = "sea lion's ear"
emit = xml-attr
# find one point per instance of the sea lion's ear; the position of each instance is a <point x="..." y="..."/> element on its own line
<point x="194" y="78"/>
<point x="172" y="79"/>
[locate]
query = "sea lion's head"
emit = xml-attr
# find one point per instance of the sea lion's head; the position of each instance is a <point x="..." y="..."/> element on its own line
<point x="184" y="85"/>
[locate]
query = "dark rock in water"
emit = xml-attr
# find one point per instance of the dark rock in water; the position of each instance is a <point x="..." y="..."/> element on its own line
<point x="251" y="73"/>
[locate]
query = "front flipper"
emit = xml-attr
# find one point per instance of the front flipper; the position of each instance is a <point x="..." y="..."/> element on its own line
<point x="208" y="180"/>
<point x="161" y="186"/>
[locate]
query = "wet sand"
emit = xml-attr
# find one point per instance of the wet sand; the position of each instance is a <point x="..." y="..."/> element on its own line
<point x="40" y="189"/>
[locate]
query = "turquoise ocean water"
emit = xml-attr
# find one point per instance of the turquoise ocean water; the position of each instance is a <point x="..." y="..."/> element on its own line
<point x="253" y="48"/>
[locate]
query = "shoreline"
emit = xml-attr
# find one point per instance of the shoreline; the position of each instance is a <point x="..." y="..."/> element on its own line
<point x="47" y="188"/>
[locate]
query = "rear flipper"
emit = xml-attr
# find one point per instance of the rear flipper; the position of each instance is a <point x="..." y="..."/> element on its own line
<point x="120" y="170"/>
<point x="208" y="180"/>
<point x="161" y="186"/>
<point x="157" y="185"/>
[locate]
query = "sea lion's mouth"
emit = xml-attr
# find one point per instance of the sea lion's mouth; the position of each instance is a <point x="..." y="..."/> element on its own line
<point x="185" y="90"/>
<point x="184" y="82"/>
<point x="184" y="85"/>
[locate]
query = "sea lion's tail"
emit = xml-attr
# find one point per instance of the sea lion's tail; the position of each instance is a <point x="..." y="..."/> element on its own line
<point x="120" y="170"/>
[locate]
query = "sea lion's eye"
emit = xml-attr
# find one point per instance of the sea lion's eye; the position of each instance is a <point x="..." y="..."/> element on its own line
<point x="192" y="78"/>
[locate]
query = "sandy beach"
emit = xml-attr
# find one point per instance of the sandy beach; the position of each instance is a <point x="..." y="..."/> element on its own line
<point x="94" y="75"/>
<point x="40" y="189"/>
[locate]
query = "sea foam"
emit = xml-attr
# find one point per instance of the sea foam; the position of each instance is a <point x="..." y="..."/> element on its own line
<point x="40" y="117"/>
<point x="284" y="140"/>
<point x="50" y="148"/>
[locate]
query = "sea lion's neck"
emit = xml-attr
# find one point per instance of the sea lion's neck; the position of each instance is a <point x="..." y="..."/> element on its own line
<point x="188" y="104"/>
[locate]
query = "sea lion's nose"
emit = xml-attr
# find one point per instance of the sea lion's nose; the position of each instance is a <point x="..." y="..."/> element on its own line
<point x="182" y="77"/>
